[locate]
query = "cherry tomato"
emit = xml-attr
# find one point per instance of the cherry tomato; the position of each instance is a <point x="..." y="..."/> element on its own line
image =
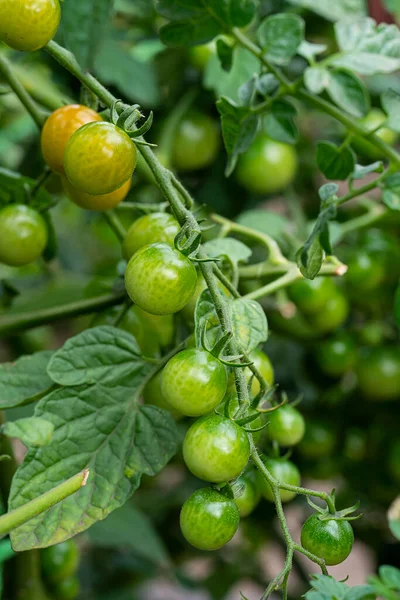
<point x="68" y="589"/>
<point x="319" y="440"/>
<point x="267" y="166"/>
<point x="196" y="143"/>
<point x="58" y="129"/>
<point x="286" y="425"/>
<point x="336" y="355"/>
<point x="201" y="54"/>
<point x="190" y="307"/>
<point x="160" y="279"/>
<point x="60" y="561"/>
<point x="149" y="229"/>
<point x="378" y="373"/>
<point x="330" y="539"/>
<point x="194" y="382"/>
<point x="311" y="296"/>
<point x="152" y="394"/>
<point x="251" y="494"/>
<point x="334" y="314"/>
<point x="28" y="24"/>
<point x="216" y="449"/>
<point x="209" y="520"/>
<point x="23" y="235"/>
<point x="371" y="121"/>
<point x="101" y="202"/>
<point x="233" y="408"/>
<point x="365" y="271"/>
<point x="284" y="471"/>
<point x="264" y="366"/>
<point x="99" y="158"/>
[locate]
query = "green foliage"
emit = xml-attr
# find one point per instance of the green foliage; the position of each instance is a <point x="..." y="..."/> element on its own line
<point x="31" y="431"/>
<point x="347" y="91"/>
<point x="228" y="247"/>
<point x="391" y="103"/>
<point x="279" y="122"/>
<point x="334" y="162"/>
<point x="280" y="36"/>
<point x="16" y="188"/>
<point x="24" y="379"/>
<point x="341" y="9"/>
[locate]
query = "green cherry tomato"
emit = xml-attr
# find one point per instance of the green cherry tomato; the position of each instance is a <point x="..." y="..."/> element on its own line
<point x="333" y="315"/>
<point x="99" y="158"/>
<point x="267" y="166"/>
<point x="284" y="471"/>
<point x="365" y="271"/>
<point x="329" y="539"/>
<point x="336" y="355"/>
<point x="319" y="440"/>
<point x="196" y="143"/>
<point x="378" y="373"/>
<point x="311" y="296"/>
<point x="149" y="229"/>
<point x="28" y="24"/>
<point x="264" y="366"/>
<point x="250" y="495"/>
<point x="23" y="235"/>
<point x="201" y="54"/>
<point x="68" y="589"/>
<point x="209" y="520"/>
<point x="160" y="279"/>
<point x="194" y="382"/>
<point x="371" y="121"/>
<point x="216" y="449"/>
<point x="60" y="561"/>
<point x="190" y="307"/>
<point x="286" y="425"/>
<point x="152" y="394"/>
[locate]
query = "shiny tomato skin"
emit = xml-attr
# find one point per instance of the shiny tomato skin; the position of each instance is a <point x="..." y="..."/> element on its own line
<point x="329" y="539"/>
<point x="378" y="373"/>
<point x="251" y="495"/>
<point x="58" y="129"/>
<point x="286" y="425"/>
<point x="336" y="355"/>
<point x="28" y="25"/>
<point x="101" y="202"/>
<point x="99" y="158"/>
<point x="311" y="295"/>
<point x="152" y="394"/>
<point x="284" y="471"/>
<point x="371" y="121"/>
<point x="150" y="229"/>
<point x="332" y="316"/>
<point x="23" y="235"/>
<point x="197" y="142"/>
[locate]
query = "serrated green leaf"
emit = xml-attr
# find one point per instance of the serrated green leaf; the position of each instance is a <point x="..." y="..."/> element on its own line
<point x="360" y="592"/>
<point x="348" y="92"/>
<point x="32" y="431"/>
<point x="309" y="51"/>
<point x="239" y="126"/>
<point x="17" y="188"/>
<point x="249" y="323"/>
<point x="316" y="79"/>
<point x="127" y="527"/>
<point x="244" y="66"/>
<point x="334" y="11"/>
<point x="104" y="429"/>
<point x="280" y="36"/>
<point x="310" y="256"/>
<point x="24" y="379"/>
<point x="328" y="588"/>
<point x="84" y="26"/>
<point x="265" y="221"/>
<point x="335" y="162"/>
<point x="390" y="100"/>
<point x="235" y="250"/>
<point x="279" y="124"/>
<point x="100" y="354"/>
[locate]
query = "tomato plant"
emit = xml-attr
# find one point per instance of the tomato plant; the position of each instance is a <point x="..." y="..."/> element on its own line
<point x="330" y="539"/>
<point x="150" y="229"/>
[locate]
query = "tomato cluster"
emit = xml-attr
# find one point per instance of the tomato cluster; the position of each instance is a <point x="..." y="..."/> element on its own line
<point x="59" y="567"/>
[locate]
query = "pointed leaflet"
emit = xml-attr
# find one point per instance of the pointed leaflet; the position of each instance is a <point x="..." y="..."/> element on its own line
<point x="348" y="92"/>
<point x="280" y="36"/>
<point x="96" y="427"/>
<point x="31" y="431"/>
<point x="24" y="379"/>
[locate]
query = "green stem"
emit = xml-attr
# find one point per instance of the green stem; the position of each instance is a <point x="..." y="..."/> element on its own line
<point x="145" y="207"/>
<point x="112" y="219"/>
<point x="287" y="279"/>
<point x="363" y="189"/>
<point x="369" y="218"/>
<point x="27" y="320"/>
<point x="35" y="507"/>
<point x="6" y="70"/>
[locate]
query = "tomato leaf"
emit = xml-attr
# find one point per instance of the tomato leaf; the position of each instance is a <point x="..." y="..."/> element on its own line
<point x="316" y="79"/>
<point x="278" y="122"/>
<point x="84" y="26"/>
<point x="327" y="587"/>
<point x="24" y="379"/>
<point x="391" y="192"/>
<point x="390" y="100"/>
<point x="234" y="249"/>
<point x="265" y="221"/>
<point x="104" y="429"/>
<point x="348" y="92"/>
<point x="309" y="50"/>
<point x="360" y="171"/>
<point x="101" y="354"/>
<point x="334" y="11"/>
<point x="22" y="190"/>
<point x="280" y="36"/>
<point x="32" y="431"/>
<point x="225" y="54"/>
<point x="224" y="83"/>
<point x="249" y="323"/>
<point x="334" y="162"/>
<point x="310" y="256"/>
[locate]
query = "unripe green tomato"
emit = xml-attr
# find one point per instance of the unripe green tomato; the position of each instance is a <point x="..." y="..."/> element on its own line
<point x="286" y="425"/>
<point x="60" y="561"/>
<point x="152" y="394"/>
<point x="336" y="355"/>
<point x="319" y="440"/>
<point x="28" y="24"/>
<point x="160" y="326"/>
<point x="378" y="373"/>
<point x="216" y="449"/>
<point x="149" y="229"/>
<point x="194" y="382"/>
<point x="267" y="166"/>
<point x="99" y="158"/>
<point x="196" y="144"/>
<point x="394" y="461"/>
<point x="201" y="54"/>
<point x="160" y="279"/>
<point x="365" y="271"/>
<point x="263" y="365"/>
<point x="68" y="589"/>
<point x="251" y="494"/>
<point x="23" y="235"/>
<point x="190" y="307"/>
<point x="209" y="520"/>
<point x="311" y="295"/>
<point x="333" y="315"/>
<point x="284" y="471"/>
<point x="329" y="539"/>
<point x="371" y="121"/>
